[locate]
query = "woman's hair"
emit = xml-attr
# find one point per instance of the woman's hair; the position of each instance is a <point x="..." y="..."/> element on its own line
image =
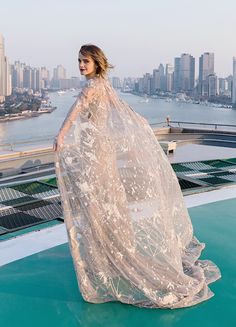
<point x="98" y="56"/>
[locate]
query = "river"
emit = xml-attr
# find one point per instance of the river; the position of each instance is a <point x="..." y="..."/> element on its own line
<point x="155" y="110"/>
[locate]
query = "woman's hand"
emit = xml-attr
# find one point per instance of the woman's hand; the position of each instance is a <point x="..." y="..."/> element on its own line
<point x="55" y="144"/>
<point x="58" y="141"/>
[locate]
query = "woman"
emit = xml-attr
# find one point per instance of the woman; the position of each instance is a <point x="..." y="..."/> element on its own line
<point x="129" y="231"/>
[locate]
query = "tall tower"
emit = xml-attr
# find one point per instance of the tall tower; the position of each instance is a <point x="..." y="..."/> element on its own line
<point x="59" y="72"/>
<point x="8" y="83"/>
<point x="177" y="74"/>
<point x="158" y="79"/>
<point x="187" y="72"/>
<point x="212" y="85"/>
<point x="206" y="68"/>
<point x="234" y="81"/>
<point x="2" y="69"/>
<point x="169" y="77"/>
<point x="5" y="74"/>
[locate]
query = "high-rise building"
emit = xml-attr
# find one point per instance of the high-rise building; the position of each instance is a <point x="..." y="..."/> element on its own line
<point x="8" y="82"/>
<point x="162" y="77"/>
<point x="116" y="83"/>
<point x="223" y="86"/>
<point x="234" y="81"/>
<point x="145" y="84"/>
<point x="27" y="77"/>
<point x="177" y="74"/>
<point x="5" y="80"/>
<point x="169" y="78"/>
<point x="18" y="75"/>
<point x="75" y="82"/>
<point x="187" y="72"/>
<point x="212" y="85"/>
<point x="184" y="73"/>
<point x="45" y="76"/>
<point x="141" y="85"/>
<point x="59" y="72"/>
<point x="229" y="80"/>
<point x="2" y="69"/>
<point x="158" y="82"/>
<point x="206" y="68"/>
<point x="38" y="80"/>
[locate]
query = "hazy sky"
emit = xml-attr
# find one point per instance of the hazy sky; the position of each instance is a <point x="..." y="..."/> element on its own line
<point x="136" y="35"/>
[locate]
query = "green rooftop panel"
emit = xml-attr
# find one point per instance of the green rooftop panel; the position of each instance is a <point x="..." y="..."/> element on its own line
<point x="32" y="188"/>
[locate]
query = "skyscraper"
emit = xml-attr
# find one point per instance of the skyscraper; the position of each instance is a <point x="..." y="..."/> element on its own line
<point x="2" y="69"/>
<point x="59" y="74"/>
<point x="116" y="83"/>
<point x="5" y="80"/>
<point x="187" y="72"/>
<point x="156" y="80"/>
<point x="177" y="74"/>
<point x="234" y="81"/>
<point x="223" y="86"/>
<point x="45" y="75"/>
<point x="212" y="85"/>
<point x="206" y="68"/>
<point x="184" y="73"/>
<point x="8" y="83"/>
<point x="169" y="77"/>
<point x="18" y="74"/>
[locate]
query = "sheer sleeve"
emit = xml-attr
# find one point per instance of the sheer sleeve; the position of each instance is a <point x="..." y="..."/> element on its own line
<point x="81" y="105"/>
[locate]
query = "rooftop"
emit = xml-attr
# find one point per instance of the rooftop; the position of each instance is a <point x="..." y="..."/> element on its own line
<point x="38" y="282"/>
<point x="39" y="287"/>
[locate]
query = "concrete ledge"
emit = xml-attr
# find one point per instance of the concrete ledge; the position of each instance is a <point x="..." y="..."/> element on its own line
<point x="15" y="162"/>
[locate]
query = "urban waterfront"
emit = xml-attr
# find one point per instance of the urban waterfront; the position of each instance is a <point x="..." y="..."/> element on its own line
<point x="154" y="110"/>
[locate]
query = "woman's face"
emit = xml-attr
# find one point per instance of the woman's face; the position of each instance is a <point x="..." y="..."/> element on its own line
<point x="87" y="66"/>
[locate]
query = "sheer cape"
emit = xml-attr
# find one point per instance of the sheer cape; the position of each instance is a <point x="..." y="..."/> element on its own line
<point x="129" y="231"/>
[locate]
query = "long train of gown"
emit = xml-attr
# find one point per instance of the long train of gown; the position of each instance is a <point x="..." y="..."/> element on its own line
<point x="129" y="231"/>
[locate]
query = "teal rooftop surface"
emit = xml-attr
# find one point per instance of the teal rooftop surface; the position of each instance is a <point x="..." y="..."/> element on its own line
<point x="41" y="289"/>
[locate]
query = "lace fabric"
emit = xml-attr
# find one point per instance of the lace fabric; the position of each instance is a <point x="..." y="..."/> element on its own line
<point x="129" y="231"/>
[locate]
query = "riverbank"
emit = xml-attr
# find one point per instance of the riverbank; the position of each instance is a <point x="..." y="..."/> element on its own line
<point x="180" y="98"/>
<point x="26" y="115"/>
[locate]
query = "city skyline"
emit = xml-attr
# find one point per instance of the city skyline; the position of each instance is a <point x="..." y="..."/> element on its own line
<point x="136" y="35"/>
<point x="122" y="76"/>
<point x="155" y="68"/>
<point x="177" y="78"/>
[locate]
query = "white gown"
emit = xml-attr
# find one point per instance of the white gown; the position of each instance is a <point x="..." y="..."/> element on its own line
<point x="129" y="231"/>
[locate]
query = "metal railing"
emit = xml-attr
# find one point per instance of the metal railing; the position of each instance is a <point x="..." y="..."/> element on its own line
<point x="15" y="145"/>
<point x="215" y="126"/>
<point x="48" y="140"/>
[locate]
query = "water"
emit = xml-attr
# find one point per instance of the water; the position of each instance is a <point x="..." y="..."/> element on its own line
<point x="156" y="110"/>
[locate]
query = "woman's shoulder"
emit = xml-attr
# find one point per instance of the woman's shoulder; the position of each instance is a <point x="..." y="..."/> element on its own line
<point x="93" y="88"/>
<point x="97" y="81"/>
<point x="96" y="85"/>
